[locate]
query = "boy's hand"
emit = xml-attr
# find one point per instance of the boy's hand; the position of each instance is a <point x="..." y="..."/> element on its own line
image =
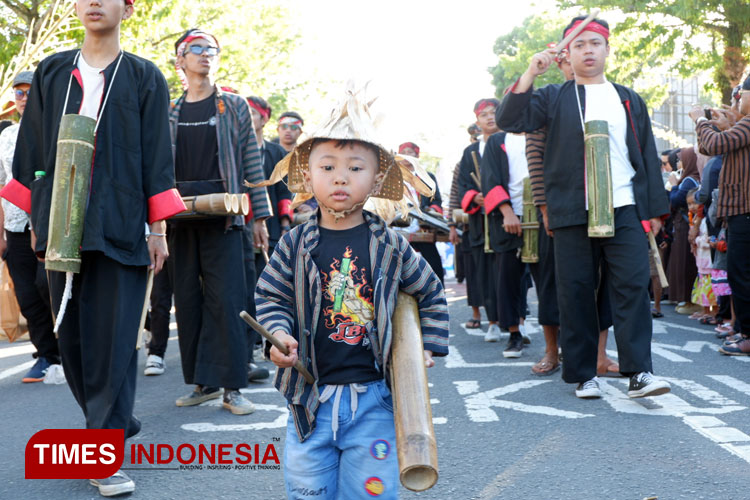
<point x="280" y="359"/>
<point x="428" y="361"/>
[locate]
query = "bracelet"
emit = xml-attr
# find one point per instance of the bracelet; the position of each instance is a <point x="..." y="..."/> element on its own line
<point x="156" y="234"/>
<point x="701" y="119"/>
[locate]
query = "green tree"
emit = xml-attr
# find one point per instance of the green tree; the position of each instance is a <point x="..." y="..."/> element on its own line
<point x="693" y="35"/>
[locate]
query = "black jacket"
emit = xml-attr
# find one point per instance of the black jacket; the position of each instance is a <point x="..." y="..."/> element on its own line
<point x="495" y="179"/>
<point x="436" y="202"/>
<point x="132" y="177"/>
<point x="279" y="194"/>
<point x="467" y="188"/>
<point x="554" y="106"/>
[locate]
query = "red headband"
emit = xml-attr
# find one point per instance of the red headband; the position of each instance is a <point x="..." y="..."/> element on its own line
<point x="129" y="2"/>
<point x="265" y="113"/>
<point x="482" y="105"/>
<point x="408" y="145"/>
<point x="592" y="26"/>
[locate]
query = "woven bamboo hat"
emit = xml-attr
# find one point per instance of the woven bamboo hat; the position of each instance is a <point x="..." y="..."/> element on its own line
<point x="351" y="119"/>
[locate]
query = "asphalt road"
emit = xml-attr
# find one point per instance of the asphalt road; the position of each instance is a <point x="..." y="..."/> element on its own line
<point x="503" y="433"/>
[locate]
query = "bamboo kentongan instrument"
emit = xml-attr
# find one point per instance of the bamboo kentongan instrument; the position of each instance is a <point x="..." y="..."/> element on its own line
<point x="215" y="204"/>
<point x="278" y="344"/>
<point x="415" y="436"/>
<point x="599" y="180"/>
<point x="146" y="303"/>
<point x="70" y="191"/>
<point x="530" y="226"/>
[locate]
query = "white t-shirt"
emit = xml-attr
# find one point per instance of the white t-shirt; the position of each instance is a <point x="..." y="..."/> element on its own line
<point x="482" y="144"/>
<point x="93" y="87"/>
<point x="603" y="103"/>
<point x="515" y="146"/>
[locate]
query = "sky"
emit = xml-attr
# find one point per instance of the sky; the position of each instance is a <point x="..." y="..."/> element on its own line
<point x="426" y="62"/>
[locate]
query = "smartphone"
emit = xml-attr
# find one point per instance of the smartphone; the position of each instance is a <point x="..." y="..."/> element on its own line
<point x="707" y="113"/>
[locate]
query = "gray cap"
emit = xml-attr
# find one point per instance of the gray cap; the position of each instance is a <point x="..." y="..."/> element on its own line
<point x="23" y="77"/>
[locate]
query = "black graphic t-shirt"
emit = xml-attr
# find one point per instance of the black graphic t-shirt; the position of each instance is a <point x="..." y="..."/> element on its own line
<point x="196" y="155"/>
<point x="342" y="349"/>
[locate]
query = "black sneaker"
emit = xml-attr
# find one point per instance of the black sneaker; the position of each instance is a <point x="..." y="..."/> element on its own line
<point x="644" y="384"/>
<point x="134" y="427"/>
<point x="256" y="373"/>
<point x="514" y="347"/>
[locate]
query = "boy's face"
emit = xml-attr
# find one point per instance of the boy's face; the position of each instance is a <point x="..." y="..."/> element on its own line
<point x="341" y="178"/>
<point x="101" y="16"/>
<point x="202" y="64"/>
<point x="744" y="102"/>
<point x="486" y="120"/>
<point x="588" y="54"/>
<point x="258" y="121"/>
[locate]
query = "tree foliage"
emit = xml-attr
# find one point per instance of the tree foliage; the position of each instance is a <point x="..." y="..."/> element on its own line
<point x="688" y="35"/>
<point x="256" y="39"/>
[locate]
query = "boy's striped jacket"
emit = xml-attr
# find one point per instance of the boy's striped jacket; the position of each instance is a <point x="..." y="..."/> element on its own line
<point x="288" y="298"/>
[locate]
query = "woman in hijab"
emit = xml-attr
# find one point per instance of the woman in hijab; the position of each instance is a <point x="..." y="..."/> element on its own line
<point x="681" y="271"/>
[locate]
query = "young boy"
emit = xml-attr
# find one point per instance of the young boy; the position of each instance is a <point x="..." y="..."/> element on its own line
<point x="328" y="294"/>
<point x="132" y="182"/>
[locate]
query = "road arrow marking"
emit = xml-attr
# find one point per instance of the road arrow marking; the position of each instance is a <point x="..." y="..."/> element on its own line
<point x="455" y="360"/>
<point x="479" y="404"/>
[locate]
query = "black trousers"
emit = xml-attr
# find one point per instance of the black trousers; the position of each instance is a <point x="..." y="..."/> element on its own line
<point x="577" y="265"/>
<point x="97" y="337"/>
<point x="738" y="267"/>
<point x="485" y="267"/>
<point x="543" y="273"/>
<point x="252" y="271"/>
<point x="430" y="253"/>
<point x="509" y="288"/>
<point x="209" y="293"/>
<point x="32" y="293"/>
<point x="161" y="304"/>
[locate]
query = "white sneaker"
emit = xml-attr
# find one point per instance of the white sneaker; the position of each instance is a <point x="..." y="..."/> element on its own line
<point x="154" y="365"/>
<point x="589" y="389"/>
<point x="118" y="484"/>
<point x="493" y="334"/>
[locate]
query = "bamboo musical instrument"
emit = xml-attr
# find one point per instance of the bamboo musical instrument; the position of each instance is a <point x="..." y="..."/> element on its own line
<point x="530" y="226"/>
<point x="601" y="212"/>
<point x="146" y="303"/>
<point x="215" y="204"/>
<point x="278" y="344"/>
<point x="476" y="177"/>
<point x="657" y="260"/>
<point x="415" y="435"/>
<point x="70" y="192"/>
<point x="460" y="217"/>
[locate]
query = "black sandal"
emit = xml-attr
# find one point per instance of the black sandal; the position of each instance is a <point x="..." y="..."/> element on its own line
<point x="473" y="323"/>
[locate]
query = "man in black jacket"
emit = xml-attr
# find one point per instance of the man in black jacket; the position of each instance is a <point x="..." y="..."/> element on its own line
<point x="132" y="183"/>
<point x="638" y="201"/>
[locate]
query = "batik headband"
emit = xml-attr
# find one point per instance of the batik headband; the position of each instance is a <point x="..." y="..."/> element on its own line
<point x="290" y="120"/>
<point x="479" y="106"/>
<point x="411" y="145"/>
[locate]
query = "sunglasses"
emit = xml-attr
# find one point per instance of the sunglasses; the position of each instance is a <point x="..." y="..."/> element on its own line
<point x="20" y="93"/>
<point x="200" y="49"/>
<point x="286" y="126"/>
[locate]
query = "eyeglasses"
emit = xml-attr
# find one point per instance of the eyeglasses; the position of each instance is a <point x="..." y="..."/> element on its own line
<point x="287" y="126"/>
<point x="20" y="93"/>
<point x="200" y="49"/>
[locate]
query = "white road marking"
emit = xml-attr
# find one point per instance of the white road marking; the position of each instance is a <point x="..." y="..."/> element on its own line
<point x="434" y="401"/>
<point x="17" y="350"/>
<point x="704" y="393"/>
<point x="439" y="420"/>
<point x="659" y="350"/>
<point x="16" y="369"/>
<point x="479" y="404"/>
<point x="732" y="382"/>
<point x="455" y="360"/>
<point x="278" y="423"/>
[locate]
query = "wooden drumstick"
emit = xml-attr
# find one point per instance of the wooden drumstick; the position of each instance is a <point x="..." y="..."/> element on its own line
<point x="657" y="260"/>
<point x="276" y="343"/>
<point x="144" y="311"/>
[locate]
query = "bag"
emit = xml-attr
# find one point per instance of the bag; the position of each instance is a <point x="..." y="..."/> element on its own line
<point x="9" y="311"/>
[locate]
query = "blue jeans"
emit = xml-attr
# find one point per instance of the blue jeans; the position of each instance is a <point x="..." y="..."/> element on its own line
<point x="358" y="462"/>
